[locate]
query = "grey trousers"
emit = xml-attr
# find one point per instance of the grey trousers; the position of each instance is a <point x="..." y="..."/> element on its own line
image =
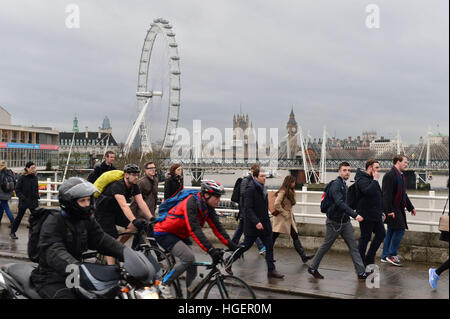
<point x="335" y="229"/>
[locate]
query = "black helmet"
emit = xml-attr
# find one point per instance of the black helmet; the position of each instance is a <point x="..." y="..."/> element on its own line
<point x="131" y="168"/>
<point x="212" y="187"/>
<point x="73" y="189"/>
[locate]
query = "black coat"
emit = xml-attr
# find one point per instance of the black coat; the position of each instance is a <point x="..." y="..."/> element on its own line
<point x="62" y="241"/>
<point x="389" y="188"/>
<point x="370" y="203"/>
<point x="27" y="189"/>
<point x="172" y="186"/>
<point x="339" y="211"/>
<point x="245" y="181"/>
<point x="256" y="211"/>
<point x="99" y="170"/>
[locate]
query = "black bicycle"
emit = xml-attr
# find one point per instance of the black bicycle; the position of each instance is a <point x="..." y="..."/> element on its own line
<point x="218" y="285"/>
<point x="145" y="243"/>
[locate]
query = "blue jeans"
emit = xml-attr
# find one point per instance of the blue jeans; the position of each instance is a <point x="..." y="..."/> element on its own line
<point x="238" y="234"/>
<point x="5" y="208"/>
<point x="392" y="242"/>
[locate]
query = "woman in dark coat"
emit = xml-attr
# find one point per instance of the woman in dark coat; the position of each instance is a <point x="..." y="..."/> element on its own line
<point x="174" y="182"/>
<point x="27" y="189"/>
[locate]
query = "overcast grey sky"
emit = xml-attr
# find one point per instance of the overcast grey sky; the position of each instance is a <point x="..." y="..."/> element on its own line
<point x="318" y="56"/>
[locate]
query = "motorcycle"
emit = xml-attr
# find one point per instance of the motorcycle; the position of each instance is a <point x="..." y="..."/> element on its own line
<point x="135" y="278"/>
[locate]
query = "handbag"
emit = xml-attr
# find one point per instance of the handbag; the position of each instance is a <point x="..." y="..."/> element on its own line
<point x="271" y="200"/>
<point x="443" y="220"/>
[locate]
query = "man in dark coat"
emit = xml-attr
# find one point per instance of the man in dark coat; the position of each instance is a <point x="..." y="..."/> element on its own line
<point x="395" y="200"/>
<point x="105" y="166"/>
<point x="338" y="224"/>
<point x="148" y="185"/>
<point x="27" y="189"/>
<point x="257" y="221"/>
<point x="370" y="207"/>
<point x="240" y="228"/>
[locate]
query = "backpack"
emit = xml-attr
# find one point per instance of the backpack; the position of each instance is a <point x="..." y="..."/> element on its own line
<point x="236" y="190"/>
<point x="36" y="220"/>
<point x="352" y="196"/>
<point x="169" y="203"/>
<point x="7" y="181"/>
<point x="106" y="179"/>
<point x="326" y="201"/>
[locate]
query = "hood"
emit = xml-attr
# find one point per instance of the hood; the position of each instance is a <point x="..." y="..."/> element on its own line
<point x="361" y="174"/>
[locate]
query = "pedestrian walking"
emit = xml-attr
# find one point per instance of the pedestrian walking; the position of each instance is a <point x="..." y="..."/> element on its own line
<point x="7" y="186"/>
<point x="395" y="200"/>
<point x="148" y="184"/>
<point x="105" y="166"/>
<point x="257" y="222"/>
<point x="370" y="207"/>
<point x="27" y="190"/>
<point x="240" y="227"/>
<point x="174" y="182"/>
<point x="284" y="221"/>
<point x="338" y="223"/>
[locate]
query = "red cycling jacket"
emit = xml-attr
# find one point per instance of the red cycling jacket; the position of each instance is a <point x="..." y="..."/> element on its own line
<point x="187" y="219"/>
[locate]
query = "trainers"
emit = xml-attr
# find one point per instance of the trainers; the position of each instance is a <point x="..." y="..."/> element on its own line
<point x="384" y="260"/>
<point x="13" y="236"/>
<point x="362" y="276"/>
<point x="262" y="250"/>
<point x="433" y="277"/>
<point x="166" y="292"/>
<point x="395" y="261"/>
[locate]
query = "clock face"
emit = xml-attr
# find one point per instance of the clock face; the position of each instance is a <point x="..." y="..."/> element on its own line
<point x="294" y="130"/>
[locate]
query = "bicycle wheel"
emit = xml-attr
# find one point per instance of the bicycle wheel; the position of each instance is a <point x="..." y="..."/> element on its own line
<point x="229" y="287"/>
<point x="164" y="261"/>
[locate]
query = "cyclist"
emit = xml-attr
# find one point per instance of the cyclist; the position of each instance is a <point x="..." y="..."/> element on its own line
<point x="186" y="220"/>
<point x="112" y="207"/>
<point x="65" y="235"/>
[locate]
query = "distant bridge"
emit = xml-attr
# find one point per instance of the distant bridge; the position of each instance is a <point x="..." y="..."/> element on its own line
<point x="295" y="164"/>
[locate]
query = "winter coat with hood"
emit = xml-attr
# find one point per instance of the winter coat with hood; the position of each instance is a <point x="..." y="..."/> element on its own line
<point x="27" y="190"/>
<point x="370" y="204"/>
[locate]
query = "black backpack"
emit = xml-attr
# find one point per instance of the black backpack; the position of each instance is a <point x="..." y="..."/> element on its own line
<point x="352" y="196"/>
<point x="36" y="220"/>
<point x="7" y="181"/>
<point x="327" y="200"/>
<point x="236" y="190"/>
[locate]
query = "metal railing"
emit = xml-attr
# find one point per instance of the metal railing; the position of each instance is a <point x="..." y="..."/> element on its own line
<point x="301" y="205"/>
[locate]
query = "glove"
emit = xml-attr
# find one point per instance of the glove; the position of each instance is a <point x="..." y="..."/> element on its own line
<point x="215" y="254"/>
<point x="232" y="246"/>
<point x="139" y="223"/>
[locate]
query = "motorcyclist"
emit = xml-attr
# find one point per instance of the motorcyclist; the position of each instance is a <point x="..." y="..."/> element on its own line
<point x="65" y="235"/>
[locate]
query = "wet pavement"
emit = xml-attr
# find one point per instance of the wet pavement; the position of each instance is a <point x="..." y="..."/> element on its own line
<point x="407" y="282"/>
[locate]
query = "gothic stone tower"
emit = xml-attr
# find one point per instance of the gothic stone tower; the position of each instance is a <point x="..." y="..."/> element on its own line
<point x="292" y="129"/>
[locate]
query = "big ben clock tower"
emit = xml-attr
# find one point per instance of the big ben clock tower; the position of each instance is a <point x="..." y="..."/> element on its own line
<point x="292" y="128"/>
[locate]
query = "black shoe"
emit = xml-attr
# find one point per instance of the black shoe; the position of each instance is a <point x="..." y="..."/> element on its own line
<point x="274" y="274"/>
<point x="362" y="276"/>
<point x="315" y="273"/>
<point x="13" y="236"/>
<point x="305" y="258"/>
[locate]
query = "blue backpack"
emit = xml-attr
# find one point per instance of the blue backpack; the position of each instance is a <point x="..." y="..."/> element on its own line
<point x="327" y="201"/>
<point x="169" y="203"/>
